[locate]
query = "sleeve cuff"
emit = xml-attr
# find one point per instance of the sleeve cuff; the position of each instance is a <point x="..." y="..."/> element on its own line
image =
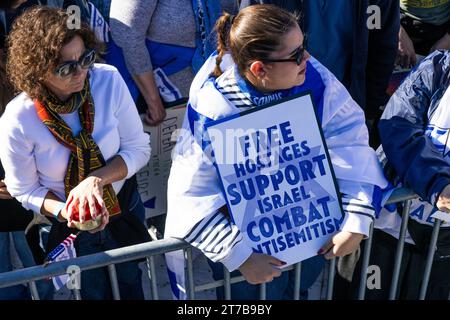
<point x="238" y="255"/>
<point x="356" y="223"/>
<point x="35" y="200"/>
<point x="131" y="167"/>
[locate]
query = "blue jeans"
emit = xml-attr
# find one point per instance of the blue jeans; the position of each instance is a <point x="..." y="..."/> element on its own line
<point x="281" y="288"/>
<point x="95" y="284"/>
<point x="20" y="292"/>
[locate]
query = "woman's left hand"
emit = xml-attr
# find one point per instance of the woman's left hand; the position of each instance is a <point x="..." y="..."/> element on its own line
<point x="342" y="244"/>
<point x="88" y="193"/>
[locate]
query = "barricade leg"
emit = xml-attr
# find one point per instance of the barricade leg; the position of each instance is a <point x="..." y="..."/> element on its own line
<point x="227" y="283"/>
<point x="365" y="264"/>
<point x="114" y="283"/>
<point x="190" y="275"/>
<point x="430" y="257"/>
<point x="297" y="279"/>
<point x="152" y="277"/>
<point x="34" y="290"/>
<point x="331" y="274"/>
<point x="262" y="291"/>
<point x="399" y="252"/>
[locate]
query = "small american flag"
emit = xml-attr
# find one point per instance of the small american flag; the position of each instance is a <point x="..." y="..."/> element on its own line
<point x="64" y="251"/>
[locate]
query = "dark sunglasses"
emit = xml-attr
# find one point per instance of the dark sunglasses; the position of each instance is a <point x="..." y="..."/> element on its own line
<point x="69" y="67"/>
<point x="297" y="57"/>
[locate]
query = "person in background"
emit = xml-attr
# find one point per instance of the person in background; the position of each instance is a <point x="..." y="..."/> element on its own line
<point x="414" y="133"/>
<point x="425" y="27"/>
<point x="164" y="43"/>
<point x="103" y="6"/>
<point x="362" y="58"/>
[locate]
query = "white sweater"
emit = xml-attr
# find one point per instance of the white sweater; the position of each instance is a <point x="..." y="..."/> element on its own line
<point x="35" y="162"/>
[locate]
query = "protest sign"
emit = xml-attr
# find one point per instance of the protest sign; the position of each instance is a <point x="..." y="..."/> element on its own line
<point x="277" y="177"/>
<point x="152" y="178"/>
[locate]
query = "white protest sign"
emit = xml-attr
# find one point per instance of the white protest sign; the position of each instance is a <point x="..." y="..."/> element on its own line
<point x="277" y="178"/>
<point x="152" y="178"/>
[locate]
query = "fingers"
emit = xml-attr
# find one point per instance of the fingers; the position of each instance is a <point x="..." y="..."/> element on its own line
<point x="326" y="247"/>
<point x="152" y="122"/>
<point x="149" y="120"/>
<point x="99" y="198"/>
<point x="81" y="210"/>
<point x="276" y="262"/>
<point x="105" y="221"/>
<point x="101" y="204"/>
<point x="155" y="117"/>
<point x="92" y="206"/>
<point x="105" y="215"/>
<point x="70" y="211"/>
<point x="260" y="268"/>
<point x="344" y="243"/>
<point x="276" y="273"/>
<point x="327" y="250"/>
<point x="331" y="254"/>
<point x="2" y="184"/>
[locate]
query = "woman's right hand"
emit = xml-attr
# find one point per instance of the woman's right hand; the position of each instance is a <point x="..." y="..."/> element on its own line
<point x="88" y="193"/>
<point x="155" y="112"/>
<point x="65" y="215"/>
<point x="260" y="268"/>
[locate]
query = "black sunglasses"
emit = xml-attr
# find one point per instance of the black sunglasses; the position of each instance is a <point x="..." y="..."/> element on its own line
<point x="70" y="67"/>
<point x="297" y="57"/>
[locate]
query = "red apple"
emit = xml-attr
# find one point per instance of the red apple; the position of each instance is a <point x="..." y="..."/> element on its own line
<point x="88" y="223"/>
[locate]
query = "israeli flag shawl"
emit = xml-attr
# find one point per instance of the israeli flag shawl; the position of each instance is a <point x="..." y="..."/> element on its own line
<point x="194" y="189"/>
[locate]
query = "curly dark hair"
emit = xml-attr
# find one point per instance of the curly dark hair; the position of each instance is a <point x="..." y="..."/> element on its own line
<point x="34" y="47"/>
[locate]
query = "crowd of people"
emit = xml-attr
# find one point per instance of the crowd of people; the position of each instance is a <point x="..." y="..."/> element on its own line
<point x="72" y="139"/>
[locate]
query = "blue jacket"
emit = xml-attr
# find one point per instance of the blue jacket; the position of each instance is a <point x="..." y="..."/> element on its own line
<point x="372" y="53"/>
<point x="414" y="131"/>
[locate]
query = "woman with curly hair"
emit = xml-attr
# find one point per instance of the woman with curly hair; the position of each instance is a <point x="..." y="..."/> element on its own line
<point x="72" y="141"/>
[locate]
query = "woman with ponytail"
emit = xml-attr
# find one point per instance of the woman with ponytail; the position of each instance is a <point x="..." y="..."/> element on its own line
<point x="261" y="57"/>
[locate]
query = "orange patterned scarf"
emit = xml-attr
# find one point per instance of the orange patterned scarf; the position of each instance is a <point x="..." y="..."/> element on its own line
<point x="85" y="156"/>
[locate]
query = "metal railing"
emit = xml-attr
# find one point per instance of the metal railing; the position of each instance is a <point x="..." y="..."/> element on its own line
<point x="148" y="251"/>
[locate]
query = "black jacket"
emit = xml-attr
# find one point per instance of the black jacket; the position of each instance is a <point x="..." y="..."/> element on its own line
<point x="373" y="51"/>
<point x="13" y="217"/>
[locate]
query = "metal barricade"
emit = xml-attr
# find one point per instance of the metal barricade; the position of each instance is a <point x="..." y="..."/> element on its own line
<point x="149" y="250"/>
<point x="405" y="196"/>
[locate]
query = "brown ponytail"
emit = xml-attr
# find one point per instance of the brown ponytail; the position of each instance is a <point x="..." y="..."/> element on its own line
<point x="252" y="35"/>
<point x="223" y="26"/>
